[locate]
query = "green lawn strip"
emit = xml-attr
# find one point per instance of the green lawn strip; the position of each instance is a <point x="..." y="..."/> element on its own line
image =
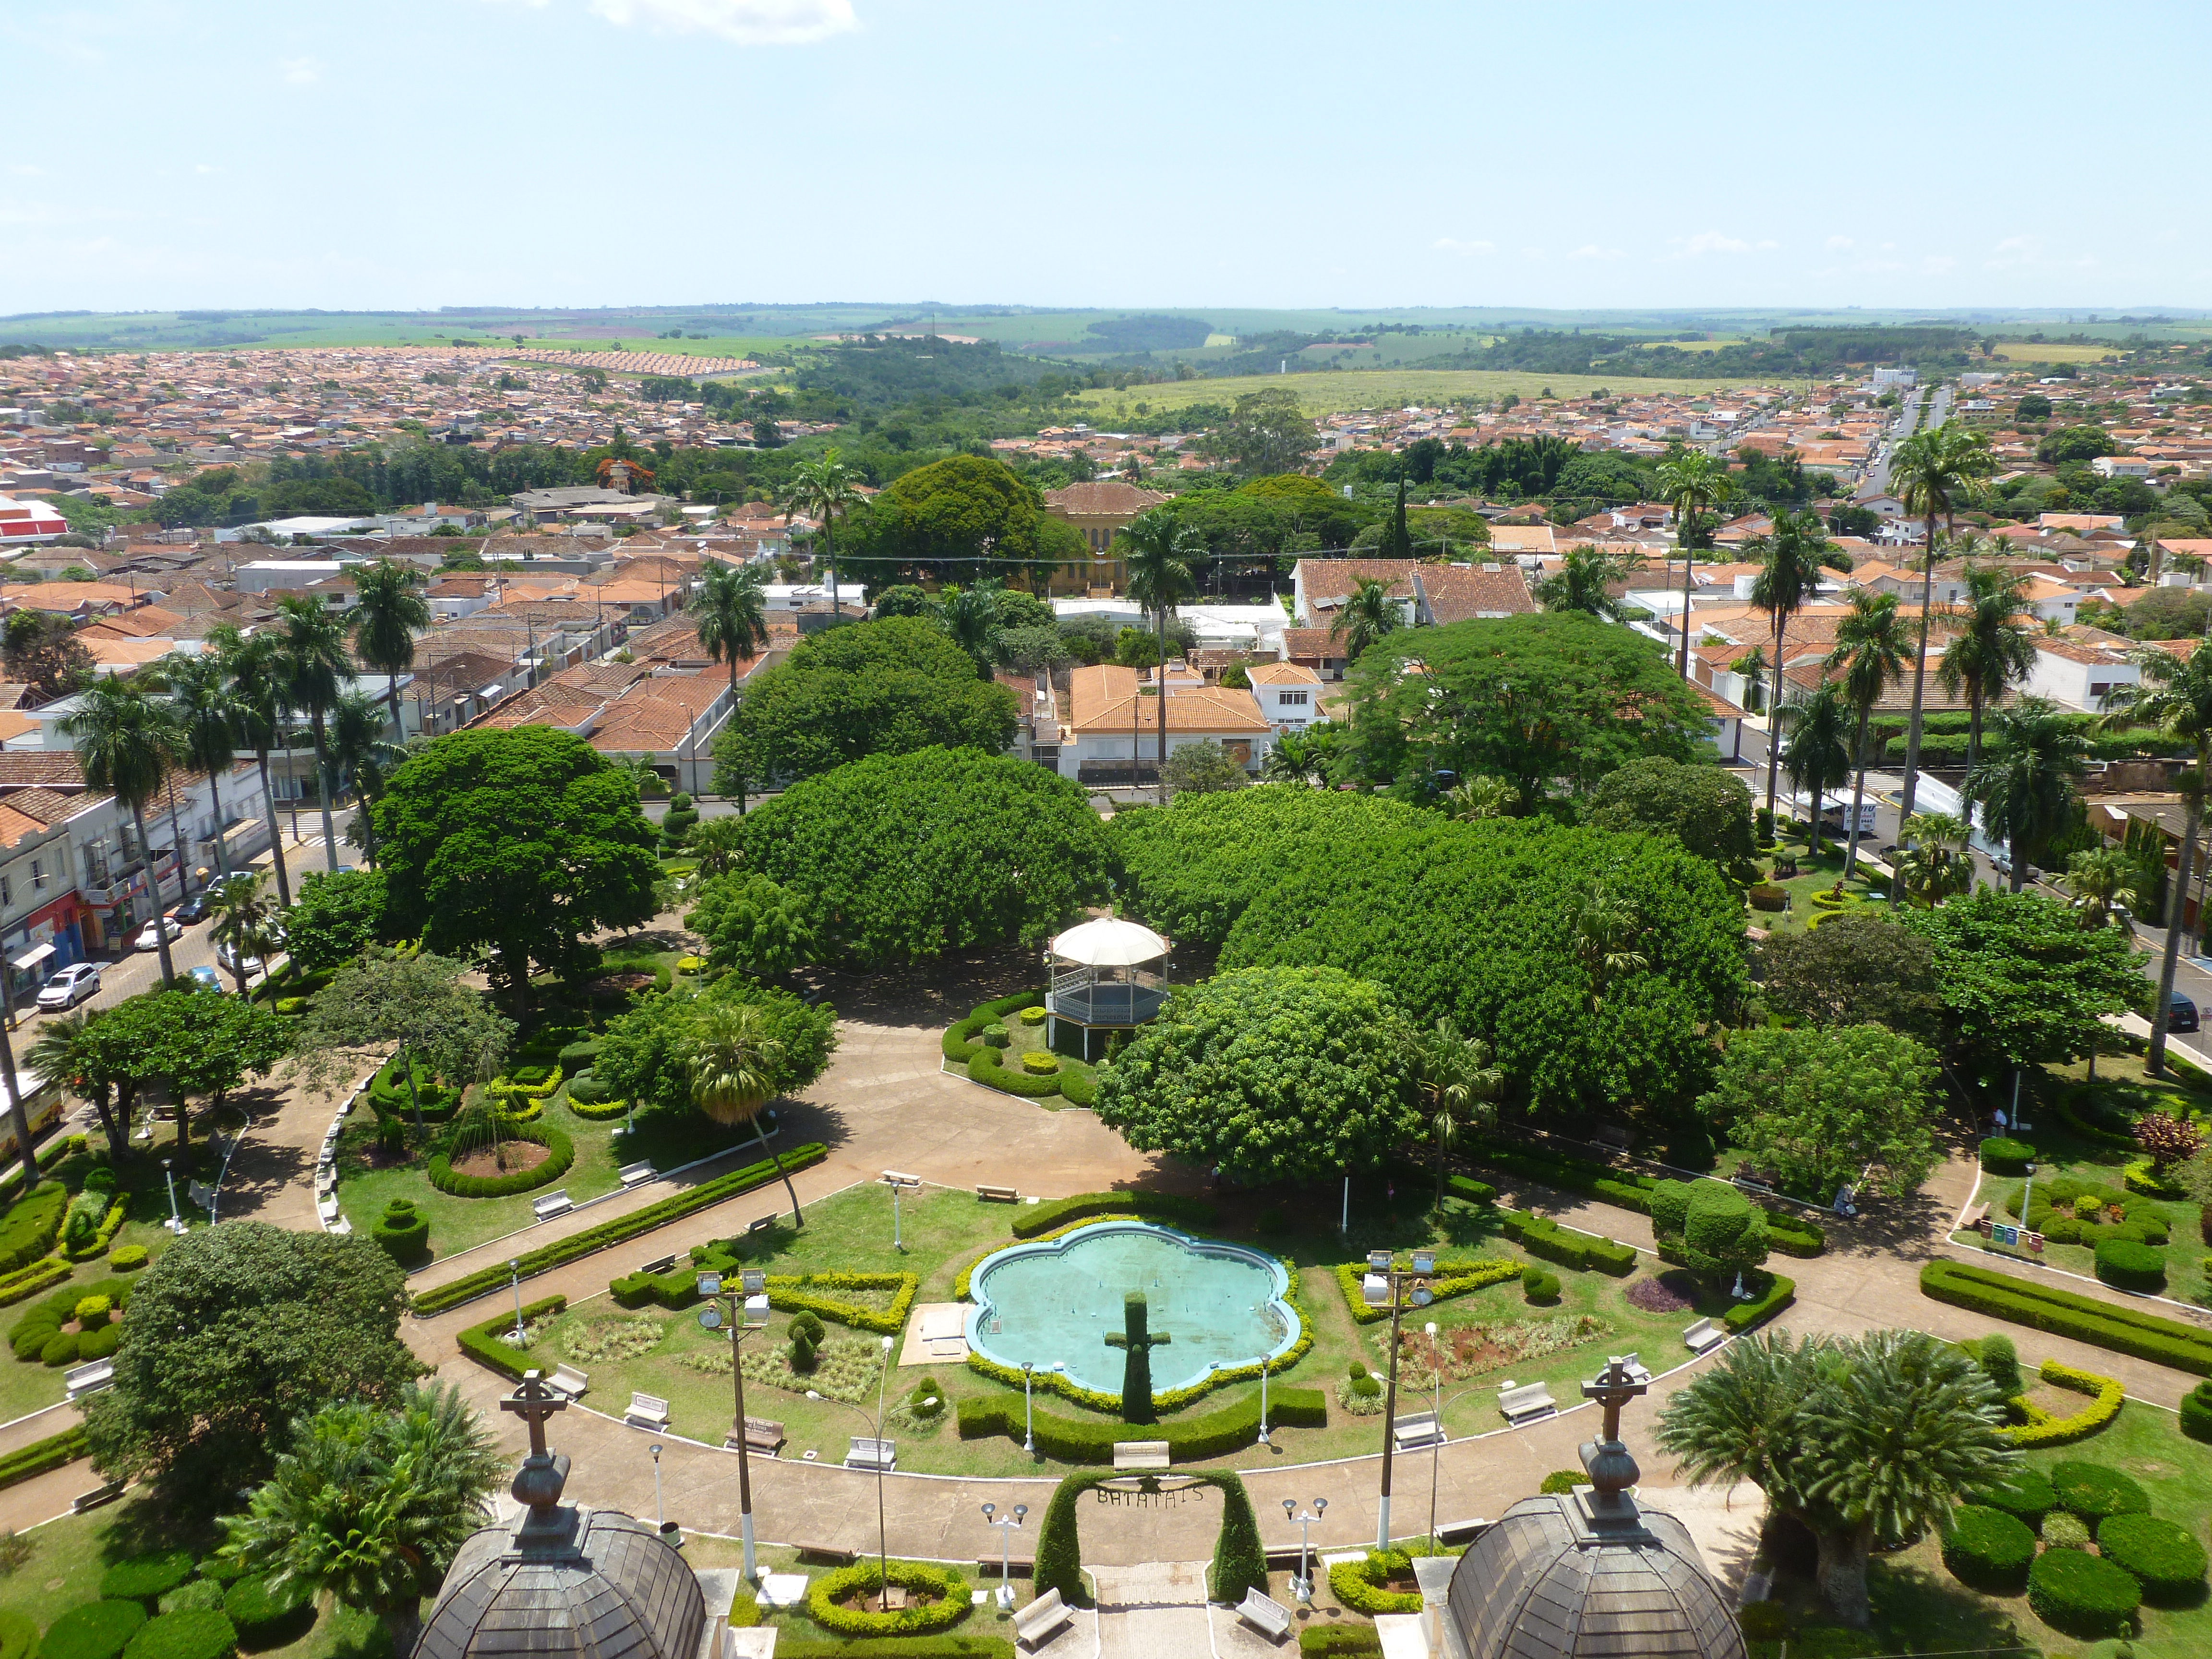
<point x="26" y="1386"/>
<point x="1814" y="876"/>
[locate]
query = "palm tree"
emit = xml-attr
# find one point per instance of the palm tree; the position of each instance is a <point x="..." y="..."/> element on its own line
<point x="1934" y="865"/>
<point x="1869" y="648"/>
<point x="821" y="490"/>
<point x="245" y="921"/>
<point x="360" y="758"/>
<point x="731" y="1059"/>
<point x="730" y="610"/>
<point x="257" y="696"/>
<point x="312" y="660"/>
<point x="1296" y="758"/>
<point x="1691" y="482"/>
<point x="1934" y="473"/>
<point x="1858" y="1438"/>
<point x="1476" y="798"/>
<point x="1608" y="940"/>
<point x="388" y="613"/>
<point x="1368" y="614"/>
<point x="1992" y="648"/>
<point x="207" y="722"/>
<point x="971" y="615"/>
<point x="1818" y="756"/>
<point x="127" y="744"/>
<point x="2101" y="880"/>
<point x="61" y="1052"/>
<point x="1580" y="584"/>
<point x="370" y="1506"/>
<point x="1791" y="559"/>
<point x="1458" y="1085"/>
<point x="2175" y="696"/>
<point x="1752" y="666"/>
<point x="1160" y="555"/>
<point x="2025" y="784"/>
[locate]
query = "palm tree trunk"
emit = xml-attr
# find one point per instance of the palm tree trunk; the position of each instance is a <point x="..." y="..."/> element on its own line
<point x="797" y="1219"/>
<point x="1682" y="535"/>
<point x="1160" y="685"/>
<point x="1974" y="723"/>
<point x="837" y="600"/>
<point x="1815" y="852"/>
<point x="182" y="852"/>
<point x="2018" y="842"/>
<point x="1774" y="723"/>
<point x="276" y="830"/>
<point x="1912" y="722"/>
<point x="391" y="695"/>
<point x="221" y="856"/>
<point x="1843" y="1573"/>
<point x="1858" y="794"/>
<point x="2172" y="953"/>
<point x="325" y="783"/>
<point x="1438" y="1202"/>
<point x="161" y="933"/>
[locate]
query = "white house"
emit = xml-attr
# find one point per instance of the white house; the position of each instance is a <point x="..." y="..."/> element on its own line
<point x="1289" y="693"/>
<point x="1113" y="731"/>
<point x="2076" y="672"/>
<point x="2122" y="466"/>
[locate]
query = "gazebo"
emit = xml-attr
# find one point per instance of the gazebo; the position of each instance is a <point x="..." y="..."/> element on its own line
<point x="1100" y="980"/>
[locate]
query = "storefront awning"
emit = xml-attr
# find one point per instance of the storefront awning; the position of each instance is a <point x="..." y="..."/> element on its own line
<point x="31" y="959"/>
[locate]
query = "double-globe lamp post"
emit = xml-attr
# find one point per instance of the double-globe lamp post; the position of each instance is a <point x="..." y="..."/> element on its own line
<point x="745" y="1312"/>
<point x="1302" y="1585"/>
<point x="1385" y="1278"/>
<point x="875" y="1430"/>
<point x="1006" y="1526"/>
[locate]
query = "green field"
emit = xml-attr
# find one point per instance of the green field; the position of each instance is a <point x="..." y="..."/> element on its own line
<point x="1328" y="392"/>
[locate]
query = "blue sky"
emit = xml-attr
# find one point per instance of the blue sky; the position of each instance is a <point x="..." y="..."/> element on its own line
<point x="160" y="155"/>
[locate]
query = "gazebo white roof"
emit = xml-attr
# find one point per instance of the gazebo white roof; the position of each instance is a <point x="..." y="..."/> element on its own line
<point x="1109" y="942"/>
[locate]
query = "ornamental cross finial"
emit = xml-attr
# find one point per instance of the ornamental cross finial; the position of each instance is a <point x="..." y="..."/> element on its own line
<point x="533" y="1402"/>
<point x="1613" y="1388"/>
<point x="1137" y="1339"/>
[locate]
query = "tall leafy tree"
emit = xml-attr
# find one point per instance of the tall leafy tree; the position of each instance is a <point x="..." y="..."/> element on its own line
<point x="729" y="611"/>
<point x="1583" y="582"/>
<point x="61" y="1054"/>
<point x="2025" y="784"/>
<point x="1993" y="647"/>
<point x="971" y="615"/>
<point x="1367" y="614"/>
<point x="1859" y="1438"/>
<point x="822" y="490"/>
<point x="1704" y="806"/>
<point x="2174" y="694"/>
<point x="419" y="1003"/>
<point x="1160" y="553"/>
<point x="1934" y="474"/>
<point x="127" y="744"/>
<point x="206" y="714"/>
<point x="1693" y="483"/>
<point x="732" y="1055"/>
<point x="389" y="611"/>
<point x="257" y="689"/>
<point x="312" y="660"/>
<point x="1870" y="647"/>
<point x="1934" y="863"/>
<point x="1817" y="754"/>
<point x="1790" y="558"/>
<point x="1819" y="1107"/>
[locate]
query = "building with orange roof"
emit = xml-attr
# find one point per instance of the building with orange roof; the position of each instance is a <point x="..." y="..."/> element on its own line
<point x="1113" y="729"/>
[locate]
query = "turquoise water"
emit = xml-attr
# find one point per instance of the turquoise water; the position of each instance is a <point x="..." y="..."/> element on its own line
<point x="1057" y="1301"/>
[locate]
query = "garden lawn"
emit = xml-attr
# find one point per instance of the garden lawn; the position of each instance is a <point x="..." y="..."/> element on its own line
<point x="1815" y="875"/>
<point x="1069" y="1066"/>
<point x="68" y="1555"/>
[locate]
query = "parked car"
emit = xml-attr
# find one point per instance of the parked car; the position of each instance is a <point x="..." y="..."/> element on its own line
<point x="149" y="939"/>
<point x="206" y="976"/>
<point x="69" y="986"/>
<point x="227" y="954"/>
<point x="2180" y="1014"/>
<point x="196" y="908"/>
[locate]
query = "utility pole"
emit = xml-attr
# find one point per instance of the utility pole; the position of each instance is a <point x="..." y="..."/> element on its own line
<point x="1394" y="1280"/>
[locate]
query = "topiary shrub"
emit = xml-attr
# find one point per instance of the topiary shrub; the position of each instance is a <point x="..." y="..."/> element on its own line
<point x="264" y="1620"/>
<point x="2128" y="1266"/>
<point x="996" y="1035"/>
<point x="590" y="1090"/>
<point x="2061" y="1531"/>
<point x="1988" y="1549"/>
<point x="1766" y="897"/>
<point x="1539" y="1287"/>
<point x="2001" y="1363"/>
<point x="102" y="1630"/>
<point x="2025" y="1493"/>
<point x="100" y="1344"/>
<point x="143" y="1577"/>
<point x="825" y="1597"/>
<point x="60" y="1349"/>
<point x="93" y="1310"/>
<point x="2095" y="1492"/>
<point x="1358" y="1585"/>
<point x="1037" y="1062"/>
<point x="2080" y="1595"/>
<point x="203" y="1633"/>
<point x="2196" y="1411"/>
<point x="404" y="1232"/>
<point x="192" y="1595"/>
<point x="2165" y="1558"/>
<point x="2002" y="1156"/>
<point x="127" y="1258"/>
<point x="18" y="1635"/>
<point x="1559" y="1482"/>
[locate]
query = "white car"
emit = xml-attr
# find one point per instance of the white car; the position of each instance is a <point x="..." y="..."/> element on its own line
<point x="70" y="986"/>
<point x="227" y="955"/>
<point x="148" y="940"/>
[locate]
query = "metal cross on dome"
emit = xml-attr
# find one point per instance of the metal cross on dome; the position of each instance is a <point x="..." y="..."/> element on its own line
<point x="533" y="1402"/>
<point x="1613" y="1388"/>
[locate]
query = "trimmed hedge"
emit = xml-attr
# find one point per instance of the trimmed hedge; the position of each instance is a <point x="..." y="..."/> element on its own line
<point x="1779" y="1293"/>
<point x="1787" y="1230"/>
<point x="193" y="1592"/>
<point x="959" y="1043"/>
<point x="2130" y="1266"/>
<point x="1584" y="1252"/>
<point x="987" y="1069"/>
<point x="619" y="1230"/>
<point x="827" y="1592"/>
<point x="199" y="1633"/>
<point x="2042" y="1429"/>
<point x="1358" y="1584"/>
<point x="1339" y="1642"/>
<point x="26" y="1282"/>
<point x="555" y="1140"/>
<point x="2196" y="1411"/>
<point x="2165" y="1558"/>
<point x="41" y="1455"/>
<point x="143" y="1577"/>
<point x="2082" y="1594"/>
<point x="2025" y="1494"/>
<point x="2002" y="1155"/>
<point x="482" y="1344"/>
<point x="2046" y="1308"/>
<point x="2096" y="1494"/>
<point x="102" y="1630"/>
<point x="1033" y="1218"/>
<point x="956" y="1645"/>
<point x="1988" y="1549"/>
<point x="788" y="1292"/>
<point x="31" y="1225"/>
<point x="1451" y="1279"/>
<point x="1091" y="1440"/>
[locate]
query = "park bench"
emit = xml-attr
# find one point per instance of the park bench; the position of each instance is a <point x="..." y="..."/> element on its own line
<point x="1973" y="1218"/>
<point x="1527" y="1403"/>
<point x="832" y="1553"/>
<point x="866" y="1454"/>
<point x="95" y="1497"/>
<point x="569" y="1382"/>
<point x="1265" y="1614"/>
<point x="551" y="1205"/>
<point x="1461" y="1532"/>
<point x="1412" y="1432"/>
<point x="327" y="1208"/>
<point x="760" y="1223"/>
<point x="1038" y="1620"/>
<point x="997" y="1194"/>
<point x="1637" y="1370"/>
<point x="660" y="1264"/>
<point x="1140" y="1453"/>
<point x="646" y="1411"/>
<point x="1017" y="1566"/>
<point x="1703" y="1336"/>
<point x="761" y="1434"/>
<point x="636" y="1174"/>
<point x="82" y="1380"/>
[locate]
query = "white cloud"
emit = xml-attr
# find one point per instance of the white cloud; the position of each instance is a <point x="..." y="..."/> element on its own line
<point x="1937" y="265"/>
<point x="1838" y="244"/>
<point x="301" y="71"/>
<point x="743" y="23"/>
<point x="1592" y="251"/>
<point x="1712" y="241"/>
<point x="1453" y="244"/>
<point x="202" y="167"/>
<point x="25" y="170"/>
<point x="2011" y="252"/>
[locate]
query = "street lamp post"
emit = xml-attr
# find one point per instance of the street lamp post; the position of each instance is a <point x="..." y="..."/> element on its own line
<point x="746" y="1311"/>
<point x="176" y="1223"/>
<point x="898" y="1183"/>
<point x="513" y="1278"/>
<point x="1029" y="1413"/>
<point x="659" y="1515"/>
<point x="1302" y="1584"/>
<point x="1386" y="1277"/>
<point x="1264" y="1359"/>
<point x="876" y="1430"/>
<point x="1006" y="1549"/>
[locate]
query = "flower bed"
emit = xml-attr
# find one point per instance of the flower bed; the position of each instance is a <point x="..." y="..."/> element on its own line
<point x="826" y="1595"/>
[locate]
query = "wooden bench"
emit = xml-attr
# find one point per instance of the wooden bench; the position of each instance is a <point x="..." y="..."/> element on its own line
<point x="327" y="1208"/>
<point x="569" y="1382"/>
<point x="760" y="1223"/>
<point x="830" y="1553"/>
<point x="660" y="1264"/>
<point x="96" y="1497"/>
<point x="1973" y="1218"/>
<point x="1283" y="1558"/>
<point x="1412" y="1432"/>
<point x="1017" y="1566"/>
<point x="866" y="1454"/>
<point x="1637" y="1370"/>
<point x="1526" y="1404"/>
<point x="646" y="1411"/>
<point x="551" y="1205"/>
<point x="997" y="1194"/>
<point x="1703" y="1336"/>
<point x="761" y="1434"/>
<point x="81" y="1380"/>
<point x="636" y="1174"/>
<point x="1043" y="1616"/>
<point x="1140" y="1453"/>
<point x="1265" y="1614"/>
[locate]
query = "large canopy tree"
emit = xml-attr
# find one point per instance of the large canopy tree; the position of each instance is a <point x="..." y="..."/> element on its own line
<point x="1706" y="808"/>
<point x="1820" y="1108"/>
<point x="521" y="841"/>
<point x="959" y="520"/>
<point x="903" y="857"/>
<point x="1270" y="1073"/>
<point x="417" y="1003"/>
<point x="645" y="1054"/>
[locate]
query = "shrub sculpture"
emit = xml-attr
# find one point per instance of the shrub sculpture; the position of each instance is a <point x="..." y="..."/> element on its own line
<point x="200" y="1633"/>
<point x="2004" y="1156"/>
<point x="2164" y="1558"/>
<point x="1988" y="1549"/>
<point x="2196" y="1411"/>
<point x="2130" y="1266"/>
<point x="143" y="1577"/>
<point x="97" y="1630"/>
<point x="2096" y="1494"/>
<point x="2080" y="1595"/>
<point x="404" y="1233"/>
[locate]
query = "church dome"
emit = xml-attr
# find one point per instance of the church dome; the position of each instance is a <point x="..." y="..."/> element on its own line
<point x="595" y="1583"/>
